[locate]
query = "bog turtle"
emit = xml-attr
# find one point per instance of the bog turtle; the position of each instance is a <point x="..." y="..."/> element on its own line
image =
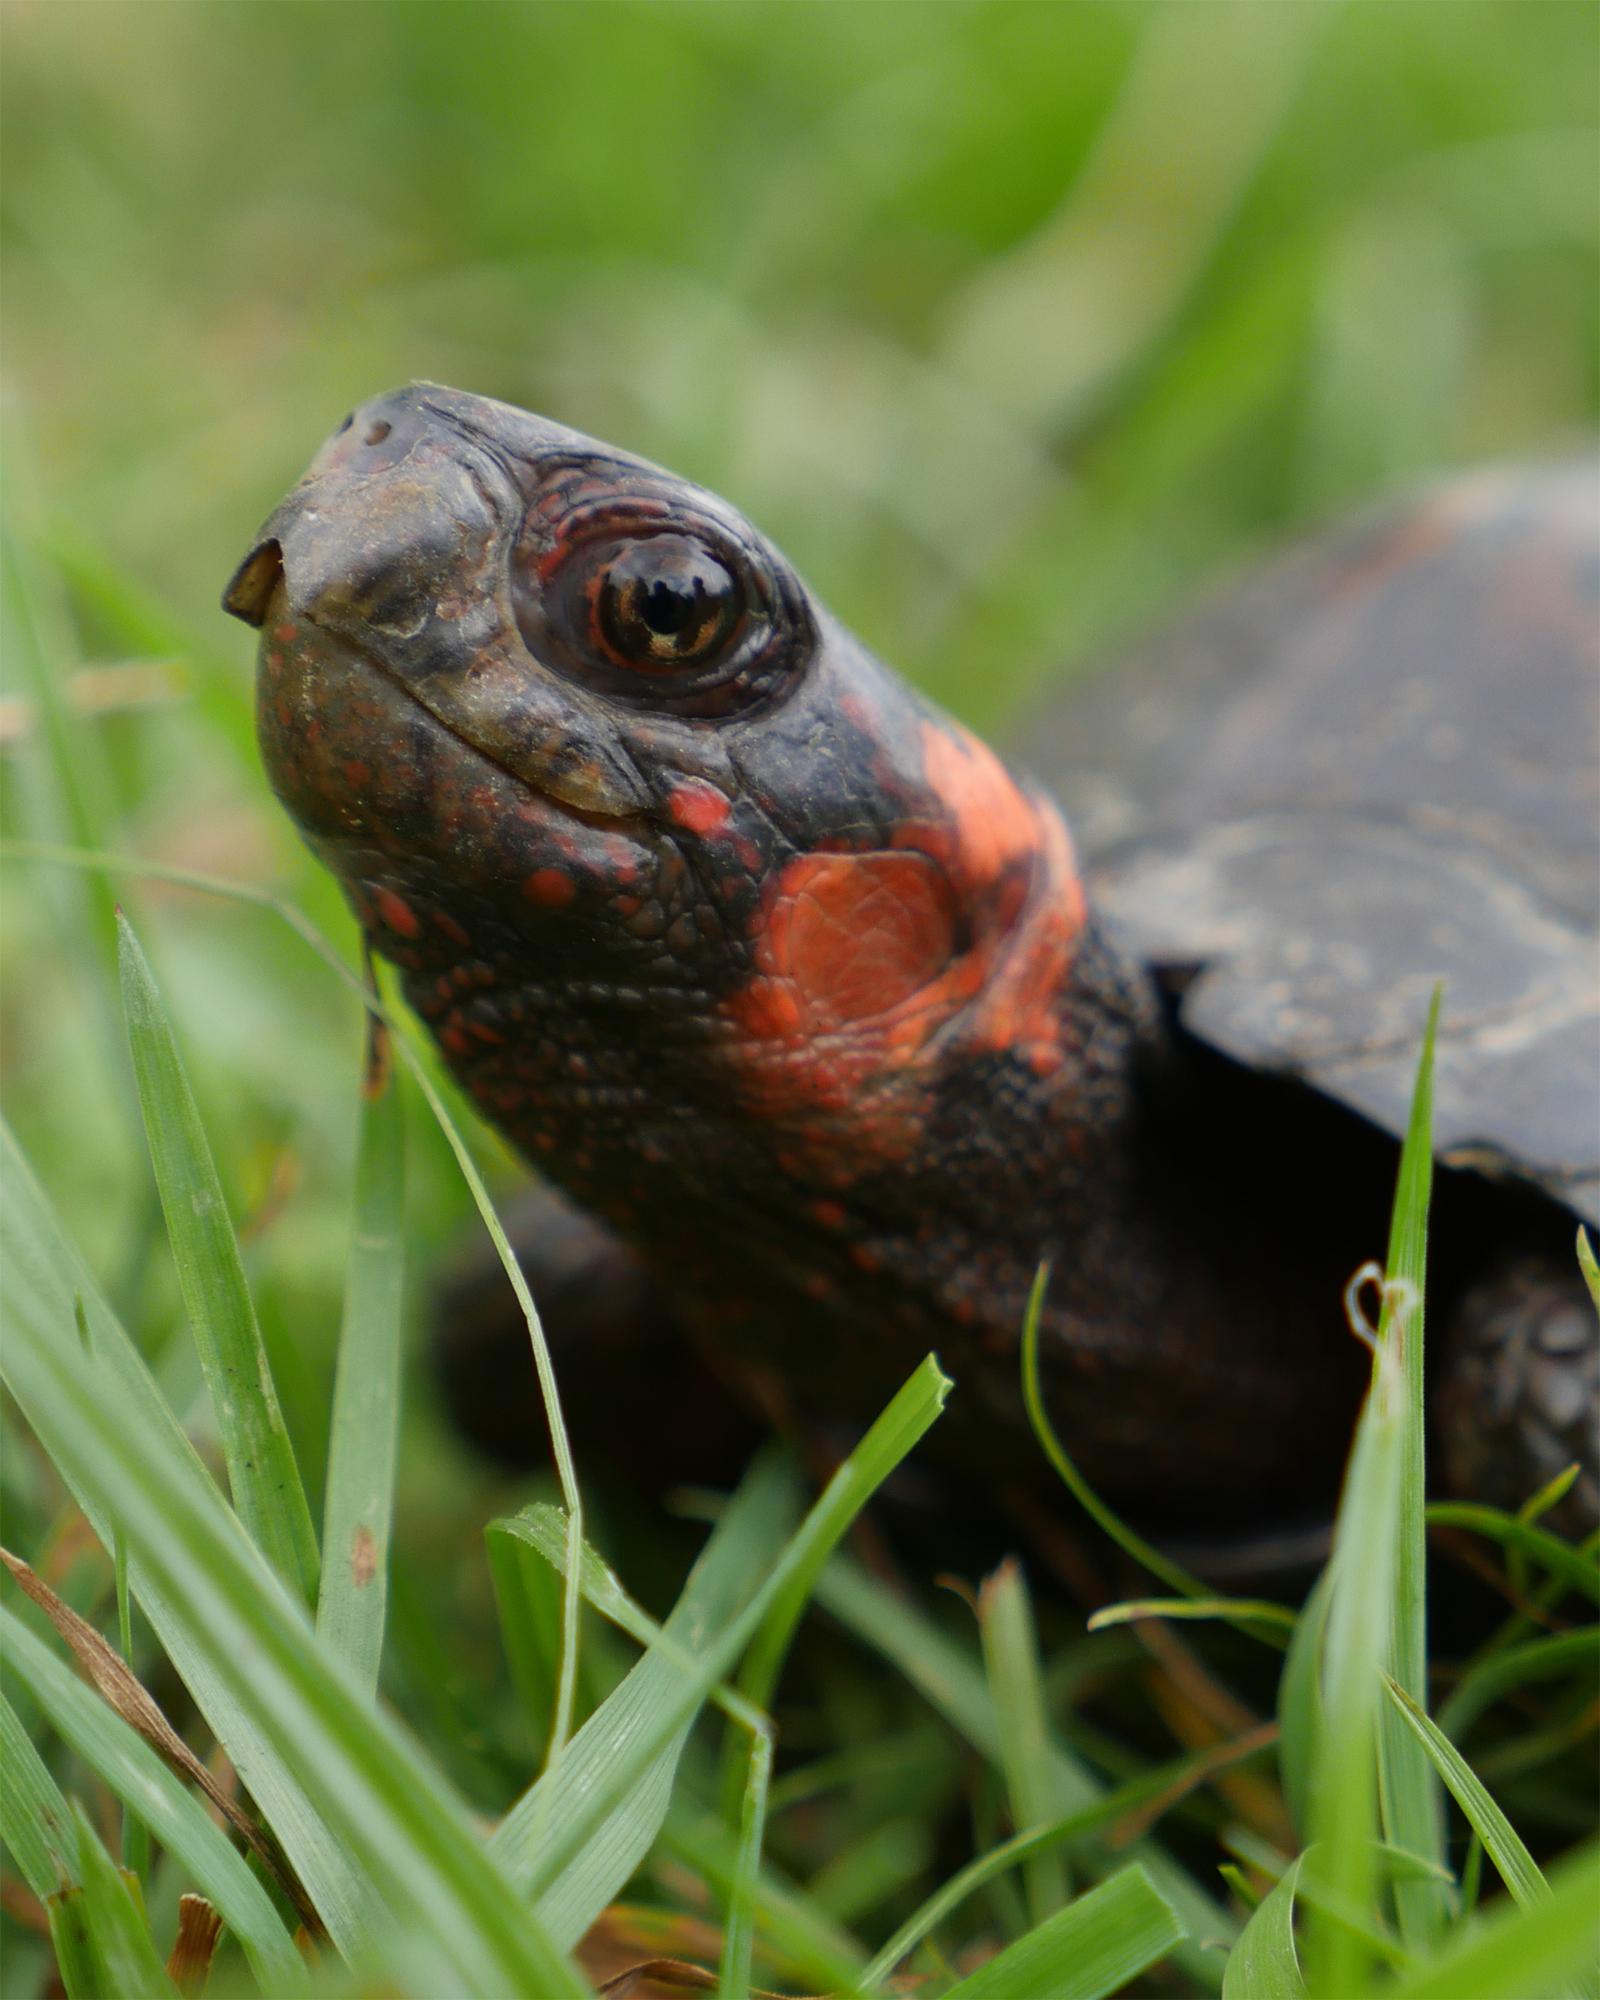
<point x="824" y="1026"/>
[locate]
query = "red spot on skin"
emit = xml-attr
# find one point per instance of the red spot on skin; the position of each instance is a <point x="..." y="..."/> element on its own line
<point x="395" y="911"/>
<point x="550" y="888"/>
<point x="357" y="774"/>
<point x="831" y="1214"/>
<point x="698" y="807"/>
<point x="852" y="705"/>
<point x="286" y="633"/>
<point x="452" y="1037"/>
<point x="864" y="1257"/>
<point x="451" y="929"/>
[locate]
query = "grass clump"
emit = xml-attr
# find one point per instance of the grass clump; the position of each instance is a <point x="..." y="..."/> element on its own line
<point x="1095" y="1867"/>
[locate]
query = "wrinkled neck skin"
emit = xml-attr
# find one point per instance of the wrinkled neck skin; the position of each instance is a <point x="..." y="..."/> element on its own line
<point x="845" y="1092"/>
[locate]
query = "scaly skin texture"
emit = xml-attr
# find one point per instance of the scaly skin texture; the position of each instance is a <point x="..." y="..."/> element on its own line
<point x="769" y="964"/>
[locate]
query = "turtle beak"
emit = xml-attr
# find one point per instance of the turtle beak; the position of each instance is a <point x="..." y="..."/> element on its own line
<point x="396" y="515"/>
<point x="410" y="494"/>
<point x="249" y="592"/>
<point x="394" y="549"/>
<point x="369" y="440"/>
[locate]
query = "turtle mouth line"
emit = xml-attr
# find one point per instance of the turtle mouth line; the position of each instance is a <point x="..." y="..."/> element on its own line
<point x="631" y="824"/>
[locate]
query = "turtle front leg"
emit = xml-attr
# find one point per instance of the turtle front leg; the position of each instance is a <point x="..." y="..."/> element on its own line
<point x="1518" y="1399"/>
<point x="636" y="1394"/>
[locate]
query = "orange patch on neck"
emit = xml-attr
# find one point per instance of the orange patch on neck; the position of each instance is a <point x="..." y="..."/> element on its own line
<point x="856" y="968"/>
<point x="991" y="820"/>
<point x="854" y="936"/>
<point x="872" y="969"/>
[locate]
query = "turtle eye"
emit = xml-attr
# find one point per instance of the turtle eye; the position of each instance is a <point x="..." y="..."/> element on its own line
<point x="665" y="602"/>
<point x="651" y="598"/>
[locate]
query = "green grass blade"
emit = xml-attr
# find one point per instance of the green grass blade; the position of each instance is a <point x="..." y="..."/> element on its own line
<point x="739" y="1933"/>
<point x="1517" y="1954"/>
<point x="124" y="1955"/>
<point x="1360" y="1774"/>
<point x="1300" y="1701"/>
<point x="1011" y="1662"/>
<point x="949" y="1678"/>
<point x="1110" y="1524"/>
<point x="1518" y="1869"/>
<point x="408" y="1040"/>
<point x="763" y="1663"/>
<point x="574" y="1878"/>
<point x="1271" y="1630"/>
<point x="528" y="1597"/>
<point x="366" y="1822"/>
<point x="262" y="1474"/>
<point x="69" y="1934"/>
<point x="787" y="1918"/>
<point x="363" y="1436"/>
<point x="1553" y="1654"/>
<point x="1566" y="1564"/>
<point x="1409" y="1792"/>
<point x="135" y="1835"/>
<point x="1092" y="1948"/>
<point x="1263" y="1964"/>
<point x="1342" y="1786"/>
<point x="47" y="1286"/>
<point x="1588" y="1266"/>
<point x="173" y="1814"/>
<point x="793" y="1925"/>
<point x="619" y="1748"/>
<point x="1193" y="1610"/>
<point x="35" y="1823"/>
<point x="950" y="1894"/>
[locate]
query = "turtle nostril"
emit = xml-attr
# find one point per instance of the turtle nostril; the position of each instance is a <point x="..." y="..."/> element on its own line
<point x="378" y="433"/>
<point x="349" y="420"/>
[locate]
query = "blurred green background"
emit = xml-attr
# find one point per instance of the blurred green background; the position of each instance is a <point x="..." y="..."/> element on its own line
<point x="1009" y="322"/>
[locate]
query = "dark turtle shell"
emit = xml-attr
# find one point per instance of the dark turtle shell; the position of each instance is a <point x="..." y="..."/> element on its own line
<point x="1367" y="768"/>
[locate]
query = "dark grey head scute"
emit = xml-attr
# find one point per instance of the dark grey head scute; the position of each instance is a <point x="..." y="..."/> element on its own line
<point x="1370" y="767"/>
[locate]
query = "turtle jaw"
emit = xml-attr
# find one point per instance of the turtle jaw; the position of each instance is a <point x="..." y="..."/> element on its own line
<point x="434" y="840"/>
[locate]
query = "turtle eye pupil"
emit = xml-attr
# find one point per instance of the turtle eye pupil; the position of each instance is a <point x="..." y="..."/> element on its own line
<point x="668" y="606"/>
<point x="667" y="602"/>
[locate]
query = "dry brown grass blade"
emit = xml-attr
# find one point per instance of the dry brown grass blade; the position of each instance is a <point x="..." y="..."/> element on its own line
<point x="199" y="1927"/>
<point x="120" y="1689"/>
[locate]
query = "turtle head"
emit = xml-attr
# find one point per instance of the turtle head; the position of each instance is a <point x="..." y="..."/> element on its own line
<point x="558" y="719"/>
